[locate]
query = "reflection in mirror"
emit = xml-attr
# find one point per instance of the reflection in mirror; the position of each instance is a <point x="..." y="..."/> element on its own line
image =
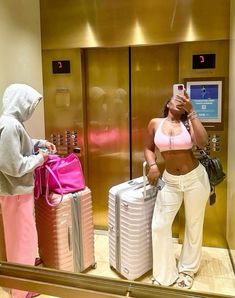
<point x="148" y="65"/>
<point x="2" y="240"/>
<point x="133" y="83"/>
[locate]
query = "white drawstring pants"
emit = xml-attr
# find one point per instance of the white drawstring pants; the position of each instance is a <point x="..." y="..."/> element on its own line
<point x="193" y="188"/>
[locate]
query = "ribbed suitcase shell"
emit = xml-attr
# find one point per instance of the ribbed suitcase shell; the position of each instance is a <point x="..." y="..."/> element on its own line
<point x="66" y="231"/>
<point x="130" y="216"/>
<point x="2" y="239"/>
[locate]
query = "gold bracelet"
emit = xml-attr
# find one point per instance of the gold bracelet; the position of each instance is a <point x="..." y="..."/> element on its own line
<point x="192" y="114"/>
<point x="152" y="164"/>
<point x="193" y="117"/>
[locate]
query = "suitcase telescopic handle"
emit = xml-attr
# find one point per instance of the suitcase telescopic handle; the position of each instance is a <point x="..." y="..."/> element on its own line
<point x="70" y="238"/>
<point x="160" y="182"/>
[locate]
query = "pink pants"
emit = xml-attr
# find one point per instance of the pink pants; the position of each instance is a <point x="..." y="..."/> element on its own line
<point x="19" y="231"/>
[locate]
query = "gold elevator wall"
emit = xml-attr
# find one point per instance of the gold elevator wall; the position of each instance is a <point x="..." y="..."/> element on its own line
<point x="99" y="90"/>
<point x="112" y="23"/>
<point x="215" y="216"/>
<point x="107" y="97"/>
<point x="63" y="103"/>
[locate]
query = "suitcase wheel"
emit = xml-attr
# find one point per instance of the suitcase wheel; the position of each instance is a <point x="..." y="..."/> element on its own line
<point x="94" y="266"/>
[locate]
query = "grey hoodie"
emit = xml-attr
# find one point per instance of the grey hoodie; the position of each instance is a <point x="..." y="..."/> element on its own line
<point x="17" y="158"/>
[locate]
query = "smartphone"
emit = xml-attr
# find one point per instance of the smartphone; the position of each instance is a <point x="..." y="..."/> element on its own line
<point x="178" y="89"/>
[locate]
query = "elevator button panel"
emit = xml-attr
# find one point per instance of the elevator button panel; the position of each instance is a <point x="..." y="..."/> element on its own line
<point x="66" y="141"/>
<point x="214" y="143"/>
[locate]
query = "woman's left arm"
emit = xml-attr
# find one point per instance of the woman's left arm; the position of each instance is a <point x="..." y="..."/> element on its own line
<point x="197" y="130"/>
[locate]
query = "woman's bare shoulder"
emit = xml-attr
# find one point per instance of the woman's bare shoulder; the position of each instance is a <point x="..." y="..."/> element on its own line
<point x="154" y="123"/>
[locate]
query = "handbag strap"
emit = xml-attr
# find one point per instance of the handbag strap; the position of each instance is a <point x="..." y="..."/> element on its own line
<point x="49" y="171"/>
<point x="203" y="153"/>
<point x="37" y="184"/>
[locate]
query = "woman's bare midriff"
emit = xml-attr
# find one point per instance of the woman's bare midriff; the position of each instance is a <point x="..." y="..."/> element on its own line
<point x="179" y="162"/>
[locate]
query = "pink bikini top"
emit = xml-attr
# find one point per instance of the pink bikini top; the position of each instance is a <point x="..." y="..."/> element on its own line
<point x="165" y="142"/>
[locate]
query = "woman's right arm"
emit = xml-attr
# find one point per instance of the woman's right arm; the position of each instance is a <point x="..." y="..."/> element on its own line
<point x="149" y="154"/>
<point x="14" y="163"/>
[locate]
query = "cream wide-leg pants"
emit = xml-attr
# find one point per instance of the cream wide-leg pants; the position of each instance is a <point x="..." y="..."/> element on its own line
<point x="193" y="188"/>
<point x="19" y="231"/>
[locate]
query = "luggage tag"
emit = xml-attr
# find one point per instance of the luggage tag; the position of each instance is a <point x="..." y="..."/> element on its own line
<point x="151" y="192"/>
<point x="160" y="184"/>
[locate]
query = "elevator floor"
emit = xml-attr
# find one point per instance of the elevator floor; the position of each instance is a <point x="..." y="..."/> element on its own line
<point x="215" y="276"/>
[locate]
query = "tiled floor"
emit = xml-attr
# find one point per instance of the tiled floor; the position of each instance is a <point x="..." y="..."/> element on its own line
<point x="215" y="275"/>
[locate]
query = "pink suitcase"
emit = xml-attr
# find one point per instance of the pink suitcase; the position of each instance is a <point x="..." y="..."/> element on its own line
<point x="131" y="207"/>
<point x="2" y="240"/>
<point x="66" y="231"/>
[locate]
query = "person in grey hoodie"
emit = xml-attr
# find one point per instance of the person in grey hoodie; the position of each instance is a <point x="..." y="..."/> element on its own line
<point x="18" y="160"/>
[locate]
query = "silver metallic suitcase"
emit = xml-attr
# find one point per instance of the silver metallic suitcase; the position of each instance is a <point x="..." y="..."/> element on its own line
<point x="130" y="210"/>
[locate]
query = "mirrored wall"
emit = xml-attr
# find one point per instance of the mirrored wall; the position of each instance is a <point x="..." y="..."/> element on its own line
<point x="118" y="81"/>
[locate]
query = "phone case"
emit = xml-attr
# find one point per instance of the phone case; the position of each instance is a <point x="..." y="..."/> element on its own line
<point x="178" y="89"/>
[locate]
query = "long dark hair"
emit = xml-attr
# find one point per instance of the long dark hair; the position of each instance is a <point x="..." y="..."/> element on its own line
<point x="183" y="118"/>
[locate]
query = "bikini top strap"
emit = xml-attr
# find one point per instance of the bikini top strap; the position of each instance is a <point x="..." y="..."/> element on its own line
<point x="159" y="126"/>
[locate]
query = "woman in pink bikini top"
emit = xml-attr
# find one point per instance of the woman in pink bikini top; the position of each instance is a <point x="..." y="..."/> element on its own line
<point x="185" y="181"/>
<point x="171" y="137"/>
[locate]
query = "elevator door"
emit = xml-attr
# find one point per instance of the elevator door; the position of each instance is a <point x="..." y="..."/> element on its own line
<point x="107" y="95"/>
<point x="153" y="71"/>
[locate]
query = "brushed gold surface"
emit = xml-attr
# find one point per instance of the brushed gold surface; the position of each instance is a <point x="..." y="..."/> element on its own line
<point x="113" y="23"/>
<point x="231" y="144"/>
<point x="91" y="23"/>
<point x="65" y="284"/>
<point x="59" y="283"/>
<point x="106" y="156"/>
<point x="154" y="69"/>
<point x="215" y="215"/>
<point x="107" y="125"/>
<point x="63" y="115"/>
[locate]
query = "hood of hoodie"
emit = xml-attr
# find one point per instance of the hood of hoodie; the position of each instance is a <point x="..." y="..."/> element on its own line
<point x="20" y="101"/>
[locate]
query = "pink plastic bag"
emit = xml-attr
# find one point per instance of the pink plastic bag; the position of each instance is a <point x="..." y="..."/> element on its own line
<point x="61" y="175"/>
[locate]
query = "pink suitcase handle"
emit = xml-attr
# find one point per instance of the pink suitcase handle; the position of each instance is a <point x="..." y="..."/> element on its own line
<point x="47" y="188"/>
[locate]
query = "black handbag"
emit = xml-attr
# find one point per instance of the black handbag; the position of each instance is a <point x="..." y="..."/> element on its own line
<point x="214" y="170"/>
<point x="213" y="167"/>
